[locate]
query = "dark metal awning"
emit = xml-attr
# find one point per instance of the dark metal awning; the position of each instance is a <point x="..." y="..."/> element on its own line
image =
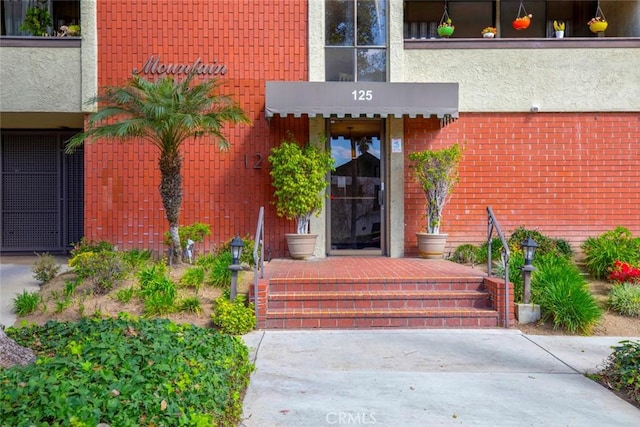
<point x="361" y="99"/>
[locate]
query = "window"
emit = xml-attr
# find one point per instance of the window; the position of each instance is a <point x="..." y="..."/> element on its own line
<point x="421" y="17"/>
<point x="355" y="40"/>
<point x="62" y="12"/>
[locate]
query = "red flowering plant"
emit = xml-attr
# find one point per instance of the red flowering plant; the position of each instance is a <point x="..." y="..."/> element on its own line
<point x="623" y="272"/>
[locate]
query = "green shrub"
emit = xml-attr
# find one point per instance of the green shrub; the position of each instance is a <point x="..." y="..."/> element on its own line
<point x="622" y="370"/>
<point x="190" y="305"/>
<point x="105" y="269"/>
<point x="545" y="243"/>
<point x="247" y="251"/>
<point x="220" y="275"/>
<point x="520" y="234"/>
<point x="235" y="317"/>
<point x="563" y="294"/>
<point x="85" y="245"/>
<point x="152" y="273"/>
<point x="563" y="247"/>
<point x="193" y="277"/>
<point x="159" y="296"/>
<point x="206" y="261"/>
<point x="125" y="295"/>
<point x="45" y="267"/>
<point x="465" y="254"/>
<point x="70" y="287"/>
<point x="195" y="232"/>
<point x="26" y="302"/>
<point x="516" y="262"/>
<point x="496" y="250"/>
<point x="126" y="372"/>
<point x="601" y="252"/>
<point x="624" y="298"/>
<point x="136" y="258"/>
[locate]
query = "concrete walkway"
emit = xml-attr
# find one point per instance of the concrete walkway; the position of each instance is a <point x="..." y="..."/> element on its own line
<point x="429" y="378"/>
<point x="15" y="277"/>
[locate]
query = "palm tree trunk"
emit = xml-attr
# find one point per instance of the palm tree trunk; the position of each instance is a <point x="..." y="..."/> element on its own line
<point x="13" y="354"/>
<point x="171" y="193"/>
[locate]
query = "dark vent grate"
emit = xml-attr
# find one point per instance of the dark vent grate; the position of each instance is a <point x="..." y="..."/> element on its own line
<point x="42" y="192"/>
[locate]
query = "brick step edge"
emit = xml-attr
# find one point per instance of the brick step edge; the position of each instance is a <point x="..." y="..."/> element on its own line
<point x="373" y="295"/>
<point x="373" y="313"/>
<point x="382" y="322"/>
<point x="366" y="286"/>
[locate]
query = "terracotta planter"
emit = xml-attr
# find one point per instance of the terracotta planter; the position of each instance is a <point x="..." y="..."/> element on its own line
<point x="301" y="246"/>
<point x="598" y="27"/>
<point x="445" y="31"/>
<point x="431" y="246"/>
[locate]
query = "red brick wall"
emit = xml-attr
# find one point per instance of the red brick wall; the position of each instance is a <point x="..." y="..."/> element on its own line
<point x="570" y="175"/>
<point x="257" y="41"/>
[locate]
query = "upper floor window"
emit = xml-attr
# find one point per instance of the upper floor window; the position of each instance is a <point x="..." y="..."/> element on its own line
<point x="40" y="17"/>
<point x="470" y="17"/>
<point x="356" y="40"/>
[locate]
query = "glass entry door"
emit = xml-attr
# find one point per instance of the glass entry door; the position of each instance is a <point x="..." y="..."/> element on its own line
<point x="356" y="202"/>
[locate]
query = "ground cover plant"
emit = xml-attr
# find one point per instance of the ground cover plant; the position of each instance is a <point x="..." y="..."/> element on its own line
<point x="125" y="371"/>
<point x="622" y="371"/>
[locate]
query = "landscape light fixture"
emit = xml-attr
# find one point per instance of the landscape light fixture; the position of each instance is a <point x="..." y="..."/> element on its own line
<point x="529" y="247"/>
<point x="236" y="251"/>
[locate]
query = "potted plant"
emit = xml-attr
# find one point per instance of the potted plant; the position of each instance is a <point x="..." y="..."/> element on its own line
<point x="558" y="27"/>
<point x="299" y="175"/>
<point x="598" y="24"/>
<point x="489" y="32"/>
<point x="522" y="22"/>
<point x="445" y="27"/>
<point x="38" y="20"/>
<point x="437" y="172"/>
<point x="523" y="19"/>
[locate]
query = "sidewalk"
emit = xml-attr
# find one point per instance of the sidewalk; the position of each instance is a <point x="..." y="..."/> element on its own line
<point x="429" y="378"/>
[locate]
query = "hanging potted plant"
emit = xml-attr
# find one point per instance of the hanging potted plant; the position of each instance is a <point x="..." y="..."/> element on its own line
<point x="299" y="175"/>
<point x="523" y="19"/>
<point x="598" y="24"/>
<point x="446" y="27"/>
<point x="436" y="171"/>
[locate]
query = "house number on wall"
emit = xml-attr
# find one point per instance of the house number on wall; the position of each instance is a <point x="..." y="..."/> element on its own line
<point x="257" y="164"/>
<point x="362" y="95"/>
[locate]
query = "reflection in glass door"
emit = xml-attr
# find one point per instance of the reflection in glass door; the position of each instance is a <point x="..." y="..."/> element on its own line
<point x="356" y="194"/>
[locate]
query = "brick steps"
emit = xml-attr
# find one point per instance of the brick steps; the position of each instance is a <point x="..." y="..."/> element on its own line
<point x="377" y="300"/>
<point x="388" y="318"/>
<point x="379" y="303"/>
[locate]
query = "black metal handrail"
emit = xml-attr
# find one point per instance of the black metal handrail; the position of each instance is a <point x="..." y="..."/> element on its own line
<point x="258" y="261"/>
<point x="493" y="223"/>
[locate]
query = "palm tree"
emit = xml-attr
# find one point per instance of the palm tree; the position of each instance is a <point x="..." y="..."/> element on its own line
<point x="166" y="113"/>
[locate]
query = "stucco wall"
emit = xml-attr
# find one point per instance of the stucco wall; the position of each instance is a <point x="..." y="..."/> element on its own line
<point x="515" y="80"/>
<point x="40" y="79"/>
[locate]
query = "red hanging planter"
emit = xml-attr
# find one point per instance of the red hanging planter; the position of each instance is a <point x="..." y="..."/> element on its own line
<point x="523" y="19"/>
